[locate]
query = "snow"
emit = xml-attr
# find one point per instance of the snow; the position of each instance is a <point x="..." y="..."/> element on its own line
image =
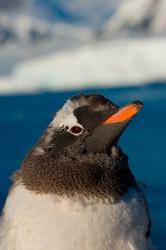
<point x="143" y="17"/>
<point x="23" y="37"/>
<point x="115" y="63"/>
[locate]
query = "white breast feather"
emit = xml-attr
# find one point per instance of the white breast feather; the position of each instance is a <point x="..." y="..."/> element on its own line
<point x="45" y="222"/>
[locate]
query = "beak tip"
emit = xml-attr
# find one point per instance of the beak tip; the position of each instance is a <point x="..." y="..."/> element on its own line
<point x="138" y="103"/>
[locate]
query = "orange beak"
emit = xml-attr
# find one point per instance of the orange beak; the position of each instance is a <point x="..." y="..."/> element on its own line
<point x="110" y="130"/>
<point x="125" y="113"/>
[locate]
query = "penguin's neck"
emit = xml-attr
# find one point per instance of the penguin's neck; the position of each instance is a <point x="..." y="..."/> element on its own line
<point x="72" y="174"/>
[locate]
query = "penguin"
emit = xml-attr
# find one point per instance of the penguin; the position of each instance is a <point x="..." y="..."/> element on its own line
<point x="75" y="189"/>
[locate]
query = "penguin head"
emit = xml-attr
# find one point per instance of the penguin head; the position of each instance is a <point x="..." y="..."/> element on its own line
<point x="77" y="155"/>
<point x="93" y="118"/>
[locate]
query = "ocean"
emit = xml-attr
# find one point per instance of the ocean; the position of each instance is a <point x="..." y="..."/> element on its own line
<point x="24" y="117"/>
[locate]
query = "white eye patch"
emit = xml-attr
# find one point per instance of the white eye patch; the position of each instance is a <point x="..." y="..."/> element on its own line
<point x="69" y="121"/>
<point x="72" y="126"/>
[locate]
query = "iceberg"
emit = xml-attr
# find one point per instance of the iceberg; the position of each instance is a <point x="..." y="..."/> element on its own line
<point x="105" y="64"/>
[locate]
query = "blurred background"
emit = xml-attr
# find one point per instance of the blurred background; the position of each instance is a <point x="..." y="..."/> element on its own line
<point x="53" y="49"/>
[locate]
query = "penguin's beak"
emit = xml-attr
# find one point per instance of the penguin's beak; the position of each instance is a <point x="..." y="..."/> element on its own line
<point x="108" y="133"/>
<point x="125" y="114"/>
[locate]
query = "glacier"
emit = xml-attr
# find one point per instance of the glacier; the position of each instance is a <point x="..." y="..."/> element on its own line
<point x="105" y="64"/>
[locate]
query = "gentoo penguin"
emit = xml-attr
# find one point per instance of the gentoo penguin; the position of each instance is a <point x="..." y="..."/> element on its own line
<point x="75" y="190"/>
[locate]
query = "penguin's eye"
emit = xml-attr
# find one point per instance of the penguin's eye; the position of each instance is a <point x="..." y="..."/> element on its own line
<point x="76" y="130"/>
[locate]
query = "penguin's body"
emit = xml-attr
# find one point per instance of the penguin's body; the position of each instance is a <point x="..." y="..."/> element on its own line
<point x="75" y="189"/>
<point x="47" y="222"/>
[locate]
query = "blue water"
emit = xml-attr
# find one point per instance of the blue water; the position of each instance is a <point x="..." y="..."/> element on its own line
<point x="24" y="117"/>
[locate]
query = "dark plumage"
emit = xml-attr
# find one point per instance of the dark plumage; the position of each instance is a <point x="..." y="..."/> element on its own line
<point x="75" y="173"/>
